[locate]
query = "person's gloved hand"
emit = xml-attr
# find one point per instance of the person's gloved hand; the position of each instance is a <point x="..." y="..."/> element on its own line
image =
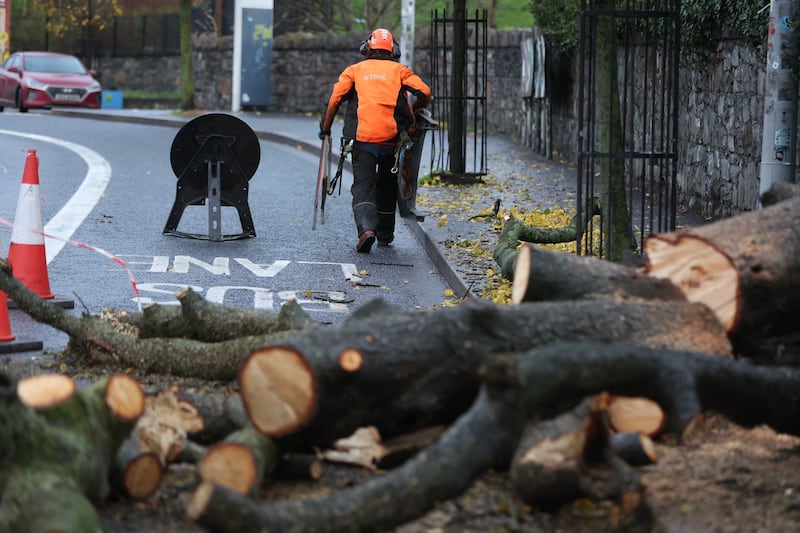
<point x="322" y="134"/>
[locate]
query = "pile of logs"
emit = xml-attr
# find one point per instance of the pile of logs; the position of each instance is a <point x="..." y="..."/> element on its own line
<point x="567" y="388"/>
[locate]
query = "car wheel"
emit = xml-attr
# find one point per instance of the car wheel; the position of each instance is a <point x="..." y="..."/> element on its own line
<point x="20" y="105"/>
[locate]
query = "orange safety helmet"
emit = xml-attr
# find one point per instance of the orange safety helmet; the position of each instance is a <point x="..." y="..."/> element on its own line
<point x="380" y="39"/>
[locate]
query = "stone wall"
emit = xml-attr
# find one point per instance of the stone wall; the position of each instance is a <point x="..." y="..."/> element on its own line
<point x="719" y="132"/>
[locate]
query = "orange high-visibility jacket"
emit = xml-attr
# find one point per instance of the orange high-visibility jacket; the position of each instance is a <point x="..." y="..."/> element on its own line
<point x="378" y="87"/>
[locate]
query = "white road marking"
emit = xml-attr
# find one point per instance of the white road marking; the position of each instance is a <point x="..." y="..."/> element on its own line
<point x="74" y="212"/>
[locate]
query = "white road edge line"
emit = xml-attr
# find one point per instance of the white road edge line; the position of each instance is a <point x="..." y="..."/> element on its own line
<point x="74" y="212"/>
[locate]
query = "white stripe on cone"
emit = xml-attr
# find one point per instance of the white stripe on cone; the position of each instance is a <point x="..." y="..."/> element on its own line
<point x="28" y="218"/>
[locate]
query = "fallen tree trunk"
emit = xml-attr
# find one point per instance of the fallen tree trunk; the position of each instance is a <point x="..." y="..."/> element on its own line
<point x="746" y="268"/>
<point x="402" y="373"/>
<point x="543" y="381"/>
<point x="293" y="389"/>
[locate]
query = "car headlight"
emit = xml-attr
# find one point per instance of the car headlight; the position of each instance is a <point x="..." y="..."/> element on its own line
<point x="93" y="87"/>
<point x="36" y="84"/>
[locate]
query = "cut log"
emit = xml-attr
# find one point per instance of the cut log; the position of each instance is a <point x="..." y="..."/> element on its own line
<point x="745" y="268"/>
<point x="278" y="390"/>
<point x="241" y="462"/>
<point x="484" y="437"/>
<point x="45" y="390"/>
<point x="642" y="415"/>
<point x="55" y="459"/>
<point x="136" y="473"/>
<point x="294" y="390"/>
<point x="543" y="274"/>
<point x="547" y="470"/>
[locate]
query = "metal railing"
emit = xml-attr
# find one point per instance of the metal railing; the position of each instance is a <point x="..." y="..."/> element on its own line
<point x="628" y="120"/>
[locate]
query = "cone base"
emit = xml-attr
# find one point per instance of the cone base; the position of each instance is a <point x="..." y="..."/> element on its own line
<point x="20" y="345"/>
<point x="29" y="266"/>
<point x="63" y="303"/>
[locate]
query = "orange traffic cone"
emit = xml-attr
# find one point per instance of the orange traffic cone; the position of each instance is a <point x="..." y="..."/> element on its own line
<point x="8" y="342"/>
<point x="5" y="324"/>
<point x="26" y="253"/>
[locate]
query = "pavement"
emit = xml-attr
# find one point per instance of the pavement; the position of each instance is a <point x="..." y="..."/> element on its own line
<point x="459" y="245"/>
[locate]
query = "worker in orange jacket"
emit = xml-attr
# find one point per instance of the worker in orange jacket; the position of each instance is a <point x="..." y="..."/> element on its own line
<point x="380" y="88"/>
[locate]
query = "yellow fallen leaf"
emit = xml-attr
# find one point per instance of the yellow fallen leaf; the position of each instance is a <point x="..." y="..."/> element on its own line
<point x="449" y="293"/>
<point x="442" y="221"/>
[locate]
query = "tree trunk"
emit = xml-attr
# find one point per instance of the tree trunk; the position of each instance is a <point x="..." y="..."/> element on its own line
<point x="542" y="275"/>
<point x="295" y="389"/>
<point x="187" y="56"/>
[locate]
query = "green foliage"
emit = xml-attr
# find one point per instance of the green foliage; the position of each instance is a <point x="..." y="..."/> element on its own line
<point x="703" y="22"/>
<point x="559" y="21"/>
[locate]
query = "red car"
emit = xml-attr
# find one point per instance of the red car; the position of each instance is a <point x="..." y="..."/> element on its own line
<point x="46" y="79"/>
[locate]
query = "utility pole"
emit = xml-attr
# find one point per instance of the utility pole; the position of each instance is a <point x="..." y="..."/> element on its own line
<point x="407" y="15"/>
<point x="779" y="144"/>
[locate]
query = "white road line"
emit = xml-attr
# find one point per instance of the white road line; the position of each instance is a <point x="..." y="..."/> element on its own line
<point x="74" y="212"/>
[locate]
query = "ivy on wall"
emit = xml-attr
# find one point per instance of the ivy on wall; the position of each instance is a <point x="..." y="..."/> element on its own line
<point x="704" y="23"/>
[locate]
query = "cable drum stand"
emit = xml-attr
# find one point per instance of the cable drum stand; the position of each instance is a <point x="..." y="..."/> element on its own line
<point x="214" y="156"/>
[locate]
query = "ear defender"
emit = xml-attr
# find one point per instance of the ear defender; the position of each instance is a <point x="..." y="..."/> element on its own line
<point x="363" y="47"/>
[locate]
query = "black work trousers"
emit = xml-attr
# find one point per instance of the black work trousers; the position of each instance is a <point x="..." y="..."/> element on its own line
<point x="374" y="189"/>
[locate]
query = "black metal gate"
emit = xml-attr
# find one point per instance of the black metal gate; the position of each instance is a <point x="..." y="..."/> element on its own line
<point x="628" y="120"/>
<point x="458" y="84"/>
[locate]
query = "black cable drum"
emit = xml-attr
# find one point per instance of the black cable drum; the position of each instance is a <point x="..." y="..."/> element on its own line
<point x="197" y="142"/>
